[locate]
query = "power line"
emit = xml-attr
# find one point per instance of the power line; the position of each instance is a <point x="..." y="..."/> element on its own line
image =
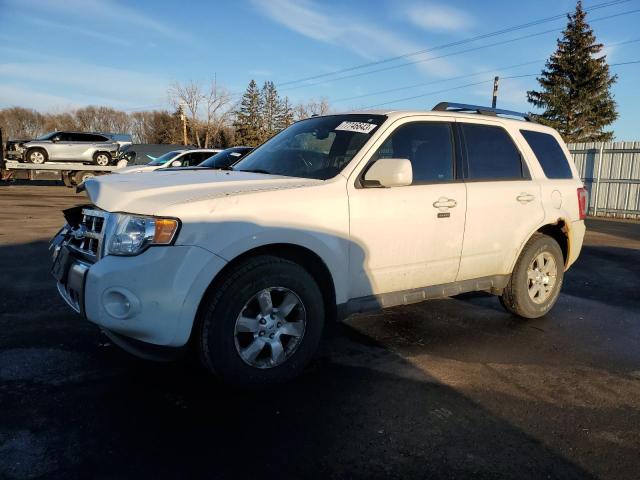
<point x="502" y="42"/>
<point x="453" y="44"/>
<point x="459" y="87"/>
<point x="424" y="84"/>
<point x="460" y="77"/>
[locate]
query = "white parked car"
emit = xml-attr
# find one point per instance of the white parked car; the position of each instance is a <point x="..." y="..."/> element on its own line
<point x="173" y="159"/>
<point x="334" y="215"/>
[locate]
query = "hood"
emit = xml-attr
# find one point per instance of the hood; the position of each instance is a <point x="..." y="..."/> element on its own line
<point x="137" y="169"/>
<point x="19" y="140"/>
<point x="149" y="193"/>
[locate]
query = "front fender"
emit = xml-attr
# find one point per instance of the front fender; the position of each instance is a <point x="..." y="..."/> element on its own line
<point x="332" y="250"/>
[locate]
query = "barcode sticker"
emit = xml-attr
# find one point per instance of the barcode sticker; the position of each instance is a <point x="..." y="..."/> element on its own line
<point x="358" y="127"/>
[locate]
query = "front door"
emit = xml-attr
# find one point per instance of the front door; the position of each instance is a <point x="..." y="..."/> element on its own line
<point x="409" y="237"/>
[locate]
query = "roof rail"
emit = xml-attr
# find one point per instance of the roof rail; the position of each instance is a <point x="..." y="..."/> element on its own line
<point x="465" y="108"/>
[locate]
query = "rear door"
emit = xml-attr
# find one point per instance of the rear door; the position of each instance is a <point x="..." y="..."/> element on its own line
<point x="503" y="201"/>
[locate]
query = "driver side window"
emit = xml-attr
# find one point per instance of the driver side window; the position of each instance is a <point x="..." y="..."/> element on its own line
<point x="427" y="145"/>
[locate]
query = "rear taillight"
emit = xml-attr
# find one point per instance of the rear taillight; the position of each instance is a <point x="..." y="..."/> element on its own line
<point x="582" y="202"/>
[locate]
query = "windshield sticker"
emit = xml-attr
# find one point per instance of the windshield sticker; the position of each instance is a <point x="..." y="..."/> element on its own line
<point x="358" y="127"/>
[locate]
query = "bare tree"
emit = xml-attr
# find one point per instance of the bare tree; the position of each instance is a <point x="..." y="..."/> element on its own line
<point x="219" y="108"/>
<point x="191" y="97"/>
<point x="312" y="107"/>
<point x="18" y="122"/>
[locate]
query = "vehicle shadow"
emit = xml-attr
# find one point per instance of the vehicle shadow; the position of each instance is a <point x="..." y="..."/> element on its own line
<point x="74" y="406"/>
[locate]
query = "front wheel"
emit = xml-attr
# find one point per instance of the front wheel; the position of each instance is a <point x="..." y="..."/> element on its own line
<point x="536" y="280"/>
<point x="262" y="324"/>
<point x="102" y="159"/>
<point x="37" y="156"/>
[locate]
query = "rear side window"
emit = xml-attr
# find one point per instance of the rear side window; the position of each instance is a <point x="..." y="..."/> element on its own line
<point x="491" y="154"/>
<point x="549" y="154"/>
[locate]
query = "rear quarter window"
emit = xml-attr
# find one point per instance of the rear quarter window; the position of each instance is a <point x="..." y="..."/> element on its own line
<point x="547" y="150"/>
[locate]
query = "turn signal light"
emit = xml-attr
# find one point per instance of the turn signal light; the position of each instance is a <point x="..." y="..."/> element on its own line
<point x="165" y="230"/>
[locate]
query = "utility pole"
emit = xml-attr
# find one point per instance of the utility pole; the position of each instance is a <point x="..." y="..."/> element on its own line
<point x="494" y="101"/>
<point x="183" y="117"/>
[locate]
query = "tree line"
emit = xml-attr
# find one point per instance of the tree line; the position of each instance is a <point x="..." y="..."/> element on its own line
<point x="202" y="115"/>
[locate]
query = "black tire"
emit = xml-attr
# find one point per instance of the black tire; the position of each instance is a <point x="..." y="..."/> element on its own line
<point x="67" y="180"/>
<point x="516" y="298"/>
<point x="37" y="156"/>
<point x="215" y="333"/>
<point x="102" y="159"/>
<point x="81" y="176"/>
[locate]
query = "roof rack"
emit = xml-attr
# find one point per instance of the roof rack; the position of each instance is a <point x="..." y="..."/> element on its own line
<point x="464" y="108"/>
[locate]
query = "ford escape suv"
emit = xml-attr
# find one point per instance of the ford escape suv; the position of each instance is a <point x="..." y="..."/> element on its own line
<point x="334" y="215"/>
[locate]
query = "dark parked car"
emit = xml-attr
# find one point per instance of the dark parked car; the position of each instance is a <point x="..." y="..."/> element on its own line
<point x="225" y="158"/>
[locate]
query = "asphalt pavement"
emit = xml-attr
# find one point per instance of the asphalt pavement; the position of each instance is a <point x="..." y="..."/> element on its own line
<point x="452" y="388"/>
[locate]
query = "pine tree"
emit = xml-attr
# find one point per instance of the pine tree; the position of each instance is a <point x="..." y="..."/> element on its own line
<point x="576" y="85"/>
<point x="270" y="110"/>
<point x="285" y="114"/>
<point x="248" y="121"/>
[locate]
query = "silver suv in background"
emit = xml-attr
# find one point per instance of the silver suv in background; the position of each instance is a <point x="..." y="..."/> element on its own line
<point x="96" y="148"/>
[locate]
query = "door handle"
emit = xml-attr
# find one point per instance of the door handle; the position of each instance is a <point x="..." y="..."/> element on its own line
<point x="444" y="202"/>
<point x="525" y="197"/>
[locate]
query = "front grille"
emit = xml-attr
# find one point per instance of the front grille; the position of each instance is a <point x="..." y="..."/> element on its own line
<point x="87" y="238"/>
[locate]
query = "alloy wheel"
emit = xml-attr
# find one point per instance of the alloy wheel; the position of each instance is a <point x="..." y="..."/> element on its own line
<point x="270" y="327"/>
<point x="36" y="157"/>
<point x="541" y="277"/>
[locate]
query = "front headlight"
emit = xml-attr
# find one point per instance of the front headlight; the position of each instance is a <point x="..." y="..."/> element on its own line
<point x="132" y="234"/>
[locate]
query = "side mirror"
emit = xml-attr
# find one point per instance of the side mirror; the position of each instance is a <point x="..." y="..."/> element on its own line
<point x="176" y="163"/>
<point x="56" y="139"/>
<point x="390" y="172"/>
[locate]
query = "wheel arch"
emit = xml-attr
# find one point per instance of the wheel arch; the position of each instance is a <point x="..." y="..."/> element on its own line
<point x="36" y="147"/>
<point x="559" y="231"/>
<point x="298" y="254"/>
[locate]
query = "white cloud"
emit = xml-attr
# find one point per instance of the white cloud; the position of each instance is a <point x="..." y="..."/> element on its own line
<point x="438" y="17"/>
<point x="346" y="31"/>
<point x="89" y="83"/>
<point x="12" y="95"/>
<point x="78" y="30"/>
<point x="100" y="13"/>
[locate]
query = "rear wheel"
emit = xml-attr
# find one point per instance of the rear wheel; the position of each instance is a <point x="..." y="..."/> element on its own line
<point x="262" y="324"/>
<point x="102" y="158"/>
<point x="81" y="176"/>
<point x="67" y="179"/>
<point x="37" y="156"/>
<point x="536" y="280"/>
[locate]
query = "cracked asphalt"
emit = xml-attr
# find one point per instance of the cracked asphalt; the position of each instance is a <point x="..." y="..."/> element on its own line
<point x="452" y="388"/>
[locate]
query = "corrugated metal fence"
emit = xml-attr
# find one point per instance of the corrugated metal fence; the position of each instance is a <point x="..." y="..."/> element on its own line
<point x="611" y="174"/>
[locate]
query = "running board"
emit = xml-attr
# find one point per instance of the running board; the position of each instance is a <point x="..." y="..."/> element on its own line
<point x="493" y="284"/>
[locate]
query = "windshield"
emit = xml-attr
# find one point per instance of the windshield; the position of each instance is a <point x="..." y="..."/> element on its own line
<point x="319" y="147"/>
<point x="46" y="136"/>
<point x="161" y="160"/>
<point x="225" y="158"/>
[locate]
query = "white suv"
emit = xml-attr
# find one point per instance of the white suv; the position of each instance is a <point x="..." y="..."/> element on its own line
<point x="334" y="215"/>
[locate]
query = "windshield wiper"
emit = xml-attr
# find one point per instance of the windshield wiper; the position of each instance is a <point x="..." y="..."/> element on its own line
<point x="255" y="170"/>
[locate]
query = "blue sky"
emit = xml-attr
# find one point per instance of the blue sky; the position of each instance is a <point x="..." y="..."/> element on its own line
<point x="57" y="54"/>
